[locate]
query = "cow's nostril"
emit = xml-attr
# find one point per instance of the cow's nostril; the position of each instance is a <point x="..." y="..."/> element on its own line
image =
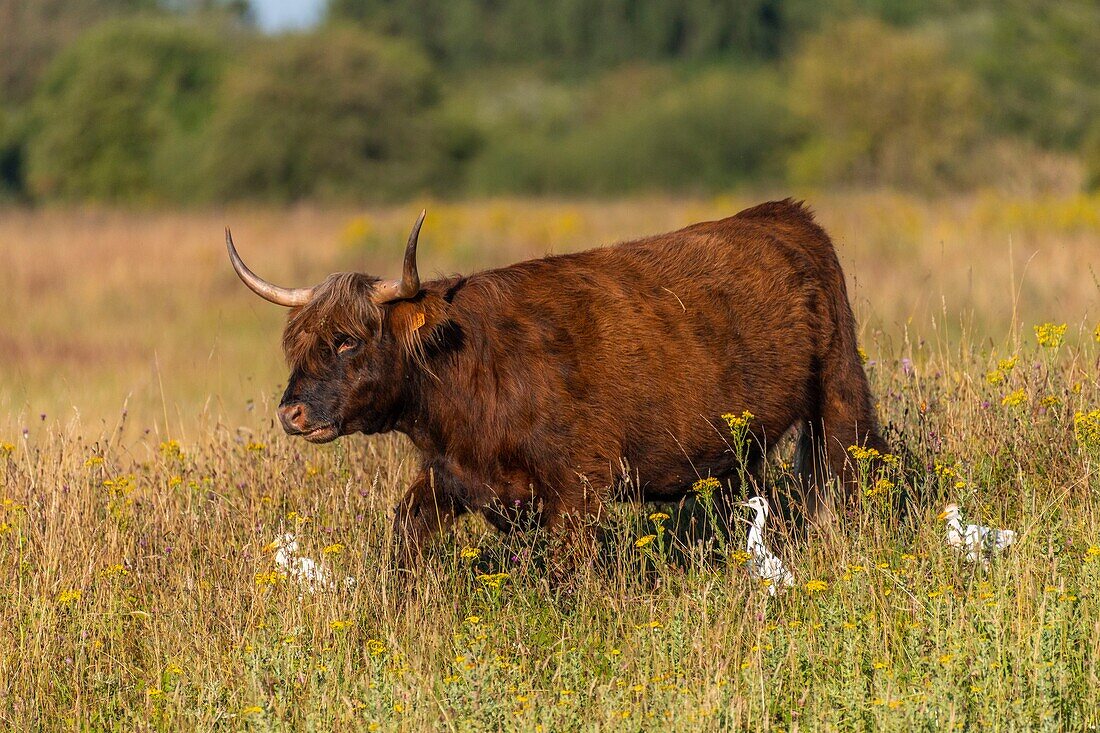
<point x="293" y="416"/>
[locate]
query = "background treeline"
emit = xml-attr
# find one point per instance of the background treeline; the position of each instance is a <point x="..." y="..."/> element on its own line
<point x="185" y="101"/>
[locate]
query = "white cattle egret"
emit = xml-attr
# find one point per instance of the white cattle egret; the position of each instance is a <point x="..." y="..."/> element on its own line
<point x="304" y="570"/>
<point x="762" y="563"/>
<point x="976" y="541"/>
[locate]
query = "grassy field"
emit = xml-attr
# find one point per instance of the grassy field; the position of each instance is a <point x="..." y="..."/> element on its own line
<point x="142" y="473"/>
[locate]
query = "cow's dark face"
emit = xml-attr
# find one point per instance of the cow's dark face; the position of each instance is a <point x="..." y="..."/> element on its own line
<point x="348" y="341"/>
<point x="347" y="362"/>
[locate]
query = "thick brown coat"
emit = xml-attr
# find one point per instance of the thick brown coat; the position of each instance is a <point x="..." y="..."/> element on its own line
<point x="529" y="386"/>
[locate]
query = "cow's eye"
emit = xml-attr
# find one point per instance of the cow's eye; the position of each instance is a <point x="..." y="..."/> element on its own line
<point x="345" y="343"/>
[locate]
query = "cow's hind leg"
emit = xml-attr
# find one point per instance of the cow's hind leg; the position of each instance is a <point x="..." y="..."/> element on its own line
<point x="847" y="419"/>
<point x="812" y="472"/>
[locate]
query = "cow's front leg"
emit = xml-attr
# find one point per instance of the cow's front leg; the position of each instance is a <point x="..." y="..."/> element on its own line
<point x="428" y="508"/>
<point x="573" y="524"/>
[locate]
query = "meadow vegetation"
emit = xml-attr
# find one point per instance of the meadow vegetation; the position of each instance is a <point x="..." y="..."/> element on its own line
<point x="142" y="472"/>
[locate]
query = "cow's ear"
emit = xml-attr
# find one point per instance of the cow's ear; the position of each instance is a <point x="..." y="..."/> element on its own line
<point x="411" y="320"/>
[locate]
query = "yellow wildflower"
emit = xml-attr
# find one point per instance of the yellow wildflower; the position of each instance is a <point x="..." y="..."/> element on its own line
<point x="493" y="580"/>
<point x="255" y="447"/>
<point x="334" y="549"/>
<point x="7" y="448"/>
<point x="862" y="454"/>
<point x="470" y="553"/>
<point x="645" y="541"/>
<point x="1092" y="553"/>
<point x="1007" y="365"/>
<point x="67" y="597"/>
<point x="882" y="486"/>
<point x="272" y="577"/>
<point x="154" y="692"/>
<point x="1049" y="335"/>
<point x="658" y="517"/>
<point x="738" y="423"/>
<point x="740" y="557"/>
<point x="120" y="485"/>
<point x="1014" y="399"/>
<point x="376" y="648"/>
<point x="339" y="624"/>
<point x="93" y="462"/>
<point x="1096" y="334"/>
<point x="170" y="450"/>
<point x="1086" y="428"/>
<point x="473" y="619"/>
<point x="815" y="586"/>
<point x="252" y="710"/>
<point x="1050" y="401"/>
<point x="705" y="487"/>
<point x="862" y="355"/>
<point x="995" y="377"/>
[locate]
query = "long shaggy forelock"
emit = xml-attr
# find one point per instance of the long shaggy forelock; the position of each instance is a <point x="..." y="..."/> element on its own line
<point x="340" y="305"/>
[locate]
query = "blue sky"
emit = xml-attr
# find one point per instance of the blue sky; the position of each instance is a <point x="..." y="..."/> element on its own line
<point x="281" y="15"/>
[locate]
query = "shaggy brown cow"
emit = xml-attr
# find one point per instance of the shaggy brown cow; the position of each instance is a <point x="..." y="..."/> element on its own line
<point x="527" y="387"/>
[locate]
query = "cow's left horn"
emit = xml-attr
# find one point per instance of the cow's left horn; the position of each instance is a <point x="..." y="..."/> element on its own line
<point x="409" y="285"/>
<point x="280" y="296"/>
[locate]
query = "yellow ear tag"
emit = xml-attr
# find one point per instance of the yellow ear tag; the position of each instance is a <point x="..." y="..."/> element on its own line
<point x="418" y="321"/>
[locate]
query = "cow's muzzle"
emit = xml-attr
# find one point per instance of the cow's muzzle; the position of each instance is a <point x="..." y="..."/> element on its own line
<point x="295" y="420"/>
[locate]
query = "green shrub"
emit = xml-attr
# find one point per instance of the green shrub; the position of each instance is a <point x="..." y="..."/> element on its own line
<point x="1042" y="64"/>
<point x="1092" y="158"/>
<point x="33" y="31"/>
<point x="332" y="115"/>
<point x="121" y="109"/>
<point x="708" y="131"/>
<point x="12" y="144"/>
<point x="887" y="108"/>
<point x="580" y="33"/>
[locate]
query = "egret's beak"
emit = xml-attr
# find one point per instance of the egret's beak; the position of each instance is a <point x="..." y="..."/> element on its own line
<point x="942" y="515"/>
<point x="271" y="546"/>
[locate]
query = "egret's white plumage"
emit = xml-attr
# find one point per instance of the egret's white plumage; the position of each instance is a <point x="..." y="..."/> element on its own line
<point x="307" y="571"/>
<point x="763" y="563"/>
<point x="976" y="541"/>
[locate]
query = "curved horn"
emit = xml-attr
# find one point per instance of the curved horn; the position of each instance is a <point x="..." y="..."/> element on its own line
<point x="409" y="285"/>
<point x="280" y="296"/>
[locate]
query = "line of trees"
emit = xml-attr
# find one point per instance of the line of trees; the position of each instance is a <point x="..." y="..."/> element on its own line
<point x="183" y="101"/>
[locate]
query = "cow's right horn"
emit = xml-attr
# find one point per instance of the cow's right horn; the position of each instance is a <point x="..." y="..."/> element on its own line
<point x="409" y="284"/>
<point x="289" y="297"/>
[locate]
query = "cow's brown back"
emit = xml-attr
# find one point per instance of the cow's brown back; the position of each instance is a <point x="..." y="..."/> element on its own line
<point x="552" y="371"/>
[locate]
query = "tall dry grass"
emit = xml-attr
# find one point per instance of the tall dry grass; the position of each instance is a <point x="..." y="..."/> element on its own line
<point x="136" y="594"/>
